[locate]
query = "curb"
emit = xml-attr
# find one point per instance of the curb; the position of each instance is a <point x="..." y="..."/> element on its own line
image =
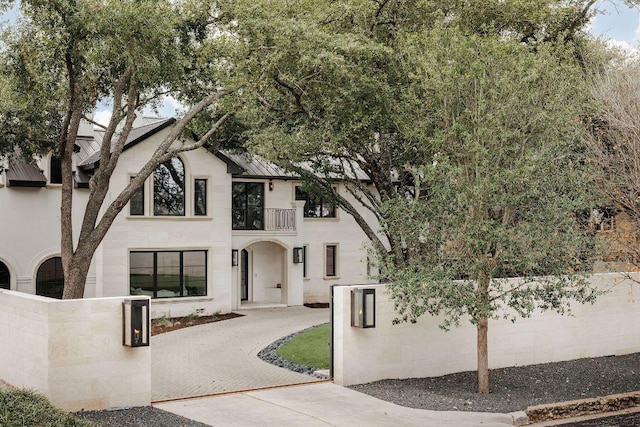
<point x="576" y="408"/>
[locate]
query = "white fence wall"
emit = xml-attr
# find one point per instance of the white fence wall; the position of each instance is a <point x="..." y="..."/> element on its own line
<point x="71" y="351"/>
<point x="611" y="326"/>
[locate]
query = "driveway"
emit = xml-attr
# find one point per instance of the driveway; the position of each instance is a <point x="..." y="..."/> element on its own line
<point x="222" y="357"/>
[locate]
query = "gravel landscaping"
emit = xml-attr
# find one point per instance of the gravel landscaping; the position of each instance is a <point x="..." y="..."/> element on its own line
<point x="514" y="389"/>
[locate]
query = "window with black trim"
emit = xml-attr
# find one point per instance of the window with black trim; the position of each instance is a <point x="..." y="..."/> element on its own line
<point x="168" y="274"/>
<point x="55" y="170"/>
<point x="136" y="204"/>
<point x="5" y="276"/>
<point x="247" y="205"/>
<point x="305" y="262"/>
<point x="331" y="260"/>
<point x="50" y="278"/>
<point x="316" y="206"/>
<point x="168" y="188"/>
<point x="200" y="197"/>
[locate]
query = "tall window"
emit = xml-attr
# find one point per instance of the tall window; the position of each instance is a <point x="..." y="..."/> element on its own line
<point x="247" y="205"/>
<point x="55" y="170"/>
<point x="331" y="260"/>
<point x="50" y="278"/>
<point x="136" y="204"/>
<point x="5" y="276"/>
<point x="316" y="206"/>
<point x="200" y="196"/>
<point x="168" y="188"/>
<point x="168" y="274"/>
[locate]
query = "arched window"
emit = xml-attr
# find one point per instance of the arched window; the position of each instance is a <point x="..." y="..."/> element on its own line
<point x="50" y="279"/>
<point x="5" y="276"/>
<point x="55" y="170"/>
<point x="168" y="188"/>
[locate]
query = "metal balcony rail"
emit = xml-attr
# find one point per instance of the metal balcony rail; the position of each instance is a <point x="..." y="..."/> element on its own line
<point x="279" y="219"/>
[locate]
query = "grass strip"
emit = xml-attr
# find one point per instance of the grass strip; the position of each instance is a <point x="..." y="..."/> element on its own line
<point x="20" y="408"/>
<point x="310" y="348"/>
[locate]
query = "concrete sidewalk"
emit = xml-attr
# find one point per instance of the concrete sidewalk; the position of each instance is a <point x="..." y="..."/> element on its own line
<point x="321" y="404"/>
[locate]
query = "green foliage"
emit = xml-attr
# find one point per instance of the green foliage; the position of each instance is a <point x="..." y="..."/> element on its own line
<point x="310" y="348"/>
<point x="24" y="408"/>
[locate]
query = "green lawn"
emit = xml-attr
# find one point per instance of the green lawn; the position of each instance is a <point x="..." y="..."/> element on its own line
<point x="310" y="348"/>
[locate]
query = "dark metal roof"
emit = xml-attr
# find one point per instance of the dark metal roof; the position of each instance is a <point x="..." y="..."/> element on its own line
<point x="22" y="174"/>
<point x="135" y="136"/>
<point x="252" y="166"/>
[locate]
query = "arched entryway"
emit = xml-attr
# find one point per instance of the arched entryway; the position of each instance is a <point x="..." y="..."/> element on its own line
<point x="5" y="276"/>
<point x="263" y="273"/>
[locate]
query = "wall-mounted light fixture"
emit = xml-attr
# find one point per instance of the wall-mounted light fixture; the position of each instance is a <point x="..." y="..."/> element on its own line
<point x="297" y="256"/>
<point x="363" y="308"/>
<point x="270" y="185"/>
<point x="135" y="322"/>
<point x="234" y="257"/>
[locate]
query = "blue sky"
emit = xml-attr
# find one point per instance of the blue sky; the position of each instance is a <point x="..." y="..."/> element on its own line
<point x="617" y="23"/>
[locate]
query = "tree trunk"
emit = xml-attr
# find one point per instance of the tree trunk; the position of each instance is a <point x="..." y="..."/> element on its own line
<point x="482" y="329"/>
<point x="483" y="355"/>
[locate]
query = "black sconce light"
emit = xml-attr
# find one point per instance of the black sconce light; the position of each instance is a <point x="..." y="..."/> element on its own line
<point x="363" y="308"/>
<point x="270" y="185"/>
<point x="135" y="322"/>
<point x="234" y="257"/>
<point x="297" y="256"/>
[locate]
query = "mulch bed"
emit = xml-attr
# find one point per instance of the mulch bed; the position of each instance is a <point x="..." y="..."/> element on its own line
<point x="162" y="325"/>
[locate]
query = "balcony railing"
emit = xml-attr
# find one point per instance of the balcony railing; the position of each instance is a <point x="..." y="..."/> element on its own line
<point x="279" y="219"/>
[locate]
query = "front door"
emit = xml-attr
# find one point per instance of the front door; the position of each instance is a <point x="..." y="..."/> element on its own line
<point x="244" y="275"/>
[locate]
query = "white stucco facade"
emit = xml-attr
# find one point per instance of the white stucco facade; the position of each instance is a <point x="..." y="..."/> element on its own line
<point x="265" y="274"/>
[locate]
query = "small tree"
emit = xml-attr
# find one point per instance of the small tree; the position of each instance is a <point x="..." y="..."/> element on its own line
<point x="63" y="57"/>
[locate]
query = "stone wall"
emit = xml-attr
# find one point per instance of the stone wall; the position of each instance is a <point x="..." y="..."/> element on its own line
<point x="608" y="327"/>
<point x="71" y="352"/>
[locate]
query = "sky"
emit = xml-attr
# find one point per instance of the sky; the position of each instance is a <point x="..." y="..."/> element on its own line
<point x="618" y="24"/>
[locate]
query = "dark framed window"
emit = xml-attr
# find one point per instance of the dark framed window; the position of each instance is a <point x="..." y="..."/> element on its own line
<point x="305" y="265"/>
<point x="5" y="276"/>
<point x="168" y="274"/>
<point x="331" y="260"/>
<point x="50" y="278"/>
<point x="316" y="206"/>
<point x="55" y="170"/>
<point x="200" y="196"/>
<point x="168" y="188"/>
<point x="136" y="204"/>
<point x="247" y="206"/>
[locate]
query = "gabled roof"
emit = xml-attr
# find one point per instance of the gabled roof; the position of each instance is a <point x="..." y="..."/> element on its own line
<point x="136" y="135"/>
<point x="244" y="164"/>
<point x="22" y="174"/>
<point x="253" y="166"/>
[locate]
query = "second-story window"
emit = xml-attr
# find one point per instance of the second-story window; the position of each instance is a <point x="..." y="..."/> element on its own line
<point x="136" y="204"/>
<point x="55" y="170"/>
<point x="247" y="206"/>
<point x="316" y="206"/>
<point x="168" y="188"/>
<point x="199" y="197"/>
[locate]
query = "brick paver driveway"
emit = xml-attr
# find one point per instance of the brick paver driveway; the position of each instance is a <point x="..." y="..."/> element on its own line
<point x="222" y="356"/>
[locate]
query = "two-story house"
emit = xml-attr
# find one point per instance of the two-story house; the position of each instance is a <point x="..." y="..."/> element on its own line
<point x="207" y="232"/>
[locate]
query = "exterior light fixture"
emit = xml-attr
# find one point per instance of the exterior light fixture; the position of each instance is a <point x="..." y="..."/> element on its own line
<point x="234" y="257"/>
<point x="135" y="322"/>
<point x="363" y="308"/>
<point x="297" y="256"/>
<point x="270" y="185"/>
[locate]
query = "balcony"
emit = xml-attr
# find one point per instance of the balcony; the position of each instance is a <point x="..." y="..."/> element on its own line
<point x="279" y="219"/>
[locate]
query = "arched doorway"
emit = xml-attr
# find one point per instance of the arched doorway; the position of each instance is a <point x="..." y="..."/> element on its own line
<point x="5" y="276"/>
<point x="263" y="274"/>
<point x="50" y="278"/>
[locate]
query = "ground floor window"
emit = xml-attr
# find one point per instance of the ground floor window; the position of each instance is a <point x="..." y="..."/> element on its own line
<point x="5" y="277"/>
<point x="331" y="260"/>
<point x="168" y="274"/>
<point x="50" y="278"/>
